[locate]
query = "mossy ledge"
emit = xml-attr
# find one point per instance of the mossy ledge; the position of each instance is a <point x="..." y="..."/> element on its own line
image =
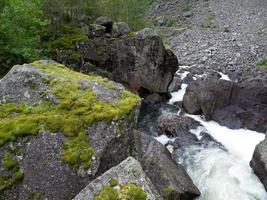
<point x="129" y="191"/>
<point x="77" y="108"/>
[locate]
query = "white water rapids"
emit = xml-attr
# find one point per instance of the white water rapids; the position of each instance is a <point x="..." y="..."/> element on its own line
<point x="221" y="174"/>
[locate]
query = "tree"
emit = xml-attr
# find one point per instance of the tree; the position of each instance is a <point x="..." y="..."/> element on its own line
<point x="21" y="22"/>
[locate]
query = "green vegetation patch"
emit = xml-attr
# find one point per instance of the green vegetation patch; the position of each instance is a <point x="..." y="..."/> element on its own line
<point x="16" y="175"/>
<point x="263" y="64"/>
<point x="129" y="191"/>
<point x="77" y="109"/>
<point x="208" y="23"/>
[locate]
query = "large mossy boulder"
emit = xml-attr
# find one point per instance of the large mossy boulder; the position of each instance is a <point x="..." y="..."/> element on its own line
<point x="60" y="129"/>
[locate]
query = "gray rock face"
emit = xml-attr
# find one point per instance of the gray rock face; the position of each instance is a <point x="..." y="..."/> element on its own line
<point x="162" y="170"/>
<point x="129" y="171"/>
<point x="259" y="162"/>
<point x="236" y="105"/>
<point x="40" y="155"/>
<point x="139" y="61"/>
<point x="172" y="125"/>
<point x="144" y="63"/>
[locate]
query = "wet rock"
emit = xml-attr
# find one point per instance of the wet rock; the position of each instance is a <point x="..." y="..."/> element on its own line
<point x="259" y="162"/>
<point x="164" y="173"/>
<point x="153" y="99"/>
<point x="196" y="70"/>
<point x="204" y="96"/>
<point x="149" y="114"/>
<point x="172" y="125"/>
<point x="128" y="171"/>
<point x="189" y="78"/>
<point x="175" y="84"/>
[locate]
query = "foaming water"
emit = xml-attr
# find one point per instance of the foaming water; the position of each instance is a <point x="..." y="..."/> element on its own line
<point x="220" y="175"/>
<point x="240" y="142"/>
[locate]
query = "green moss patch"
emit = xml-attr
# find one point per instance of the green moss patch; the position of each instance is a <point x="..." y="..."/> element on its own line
<point x="263" y="64"/>
<point x="129" y="191"/>
<point x="77" y="151"/>
<point x="16" y="175"/>
<point x="77" y="109"/>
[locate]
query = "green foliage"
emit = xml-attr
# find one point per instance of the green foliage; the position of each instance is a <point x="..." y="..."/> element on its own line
<point x="20" y="24"/>
<point x="129" y="191"/>
<point x="130" y="11"/>
<point x="10" y="164"/>
<point x="77" y="109"/>
<point x="263" y="64"/>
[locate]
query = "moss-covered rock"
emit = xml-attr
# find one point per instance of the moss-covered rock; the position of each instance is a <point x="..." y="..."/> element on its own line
<point x="83" y="114"/>
<point x="126" y="181"/>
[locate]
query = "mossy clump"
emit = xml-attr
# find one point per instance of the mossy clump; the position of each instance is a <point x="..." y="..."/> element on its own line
<point x="65" y="42"/>
<point x="9" y="163"/>
<point x="16" y="175"/>
<point x="77" y="151"/>
<point x="77" y="109"/>
<point x="128" y="191"/>
<point x="263" y="64"/>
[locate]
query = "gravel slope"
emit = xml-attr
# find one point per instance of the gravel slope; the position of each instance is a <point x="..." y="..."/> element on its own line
<point x="228" y="35"/>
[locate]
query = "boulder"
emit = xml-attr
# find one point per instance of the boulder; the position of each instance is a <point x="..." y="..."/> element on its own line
<point x="175" y="84"/>
<point x="60" y="129"/>
<point x="120" y="29"/>
<point x="143" y="62"/>
<point x="96" y="30"/>
<point x="204" y="96"/>
<point x="235" y="105"/>
<point x="169" y="178"/>
<point x="259" y="162"/>
<point x="171" y="124"/>
<point x="106" y="22"/>
<point x="127" y="172"/>
<point x="139" y="61"/>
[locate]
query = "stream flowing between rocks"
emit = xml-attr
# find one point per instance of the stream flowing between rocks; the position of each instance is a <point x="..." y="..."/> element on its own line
<point x="220" y="166"/>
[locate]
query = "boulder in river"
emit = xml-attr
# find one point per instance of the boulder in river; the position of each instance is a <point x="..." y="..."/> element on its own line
<point x="170" y="179"/>
<point x="259" y="162"/>
<point x="235" y="105"/>
<point x="171" y="124"/>
<point x="60" y="129"/>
